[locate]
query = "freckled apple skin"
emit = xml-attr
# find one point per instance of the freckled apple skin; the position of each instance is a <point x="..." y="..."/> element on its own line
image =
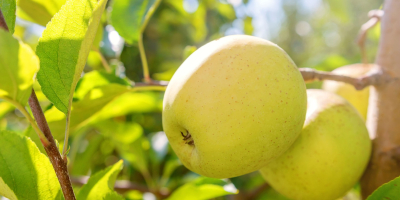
<point x="243" y="101"/>
<point x="357" y="98"/>
<point x="329" y="156"/>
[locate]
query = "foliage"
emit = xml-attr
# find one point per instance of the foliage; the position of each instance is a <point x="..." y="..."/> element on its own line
<point x="8" y="6"/>
<point x="25" y="173"/>
<point x="389" y="190"/>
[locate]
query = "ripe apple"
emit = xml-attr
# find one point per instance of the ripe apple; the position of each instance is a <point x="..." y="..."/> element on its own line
<point x="234" y="105"/>
<point x="329" y="156"/>
<point x="359" y="99"/>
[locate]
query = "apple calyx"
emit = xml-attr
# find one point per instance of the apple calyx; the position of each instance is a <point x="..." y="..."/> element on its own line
<point x="187" y="138"/>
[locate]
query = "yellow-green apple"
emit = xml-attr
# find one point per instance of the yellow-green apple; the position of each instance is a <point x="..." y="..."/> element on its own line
<point x="359" y="99"/>
<point x="329" y="156"/>
<point x="234" y="105"/>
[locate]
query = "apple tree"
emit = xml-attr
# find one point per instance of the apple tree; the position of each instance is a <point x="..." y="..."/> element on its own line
<point x="93" y="105"/>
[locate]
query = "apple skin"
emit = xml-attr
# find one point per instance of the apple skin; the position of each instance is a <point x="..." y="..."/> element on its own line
<point x="329" y="156"/>
<point x="357" y="98"/>
<point x="243" y="102"/>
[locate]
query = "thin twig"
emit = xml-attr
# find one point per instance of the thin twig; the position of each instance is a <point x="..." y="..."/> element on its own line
<point x="372" y="78"/>
<point x="146" y="72"/>
<point x="23" y="110"/>
<point x="60" y="167"/>
<point x="66" y="136"/>
<point x="375" y="16"/>
<point x="152" y="83"/>
<point x="104" y="61"/>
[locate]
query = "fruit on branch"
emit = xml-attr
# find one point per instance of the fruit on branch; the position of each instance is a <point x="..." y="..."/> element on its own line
<point x="359" y="99"/>
<point x="233" y="106"/>
<point x="328" y="157"/>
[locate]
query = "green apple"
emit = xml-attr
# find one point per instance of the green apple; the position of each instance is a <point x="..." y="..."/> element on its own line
<point x="359" y="99"/>
<point x="329" y="156"/>
<point x="234" y="105"/>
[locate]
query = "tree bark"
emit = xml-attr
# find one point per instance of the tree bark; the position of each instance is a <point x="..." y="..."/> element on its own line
<point x="383" y="119"/>
<point x="60" y="167"/>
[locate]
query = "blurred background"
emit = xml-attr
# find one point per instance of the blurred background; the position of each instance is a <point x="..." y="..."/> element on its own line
<point x="317" y="34"/>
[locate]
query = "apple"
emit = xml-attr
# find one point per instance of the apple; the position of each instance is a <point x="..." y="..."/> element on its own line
<point x="233" y="106"/>
<point x="329" y="156"/>
<point x="359" y="99"/>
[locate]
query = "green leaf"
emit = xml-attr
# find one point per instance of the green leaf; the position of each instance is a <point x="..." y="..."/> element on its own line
<point x="85" y="110"/>
<point x="340" y="8"/>
<point x="131" y="102"/>
<point x="136" y="154"/>
<point x="5" y="108"/>
<point x="39" y="11"/>
<point x="113" y="196"/>
<point x="8" y="8"/>
<point x="388" y="190"/>
<point x="95" y="79"/>
<point x="64" y="47"/>
<point x="25" y="173"/>
<point x="169" y="168"/>
<point x="6" y="191"/>
<point x="204" y="188"/>
<point x="18" y="65"/>
<point x="83" y="160"/>
<point x="125" y="133"/>
<point x="101" y="184"/>
<point x="127" y="17"/>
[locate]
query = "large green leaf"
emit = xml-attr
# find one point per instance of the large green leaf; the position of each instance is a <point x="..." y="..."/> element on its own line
<point x="95" y="79"/>
<point x="64" y="47"/>
<point x="18" y="65"/>
<point x="25" y="173"/>
<point x="120" y="132"/>
<point x="127" y="17"/>
<point x="204" y="188"/>
<point x="39" y="11"/>
<point x="84" y="110"/>
<point x="131" y="102"/>
<point x="388" y="190"/>
<point x="8" y="8"/>
<point x="101" y="184"/>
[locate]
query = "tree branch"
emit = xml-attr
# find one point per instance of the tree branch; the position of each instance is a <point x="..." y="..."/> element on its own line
<point x="375" y="77"/>
<point x="151" y="83"/>
<point x="384" y="106"/>
<point x="60" y="167"/>
<point x="375" y="16"/>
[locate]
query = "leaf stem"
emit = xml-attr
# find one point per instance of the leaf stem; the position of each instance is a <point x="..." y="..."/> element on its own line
<point x="142" y="52"/>
<point x="104" y="61"/>
<point x="23" y="110"/>
<point x="66" y="136"/>
<point x="146" y="73"/>
<point x="42" y="137"/>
